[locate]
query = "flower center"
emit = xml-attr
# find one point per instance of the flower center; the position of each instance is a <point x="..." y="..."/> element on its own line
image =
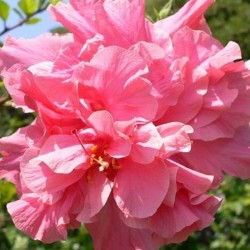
<point x="101" y="160"/>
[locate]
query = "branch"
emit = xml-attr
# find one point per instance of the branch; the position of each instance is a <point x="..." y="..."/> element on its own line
<point x="7" y="29"/>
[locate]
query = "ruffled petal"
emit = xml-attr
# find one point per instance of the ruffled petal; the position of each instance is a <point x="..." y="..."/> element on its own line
<point x="37" y="219"/>
<point x="222" y="155"/>
<point x="140" y="189"/>
<point x="81" y="26"/>
<point x="40" y="178"/>
<point x="12" y="148"/>
<point x="118" y="144"/>
<point x="117" y="85"/>
<point x="27" y="52"/>
<point x="116" y="235"/>
<point x="56" y="146"/>
<point x="121" y="27"/>
<point x="96" y="192"/>
<point x="175" y="137"/>
<point x="191" y="14"/>
<point x="146" y="143"/>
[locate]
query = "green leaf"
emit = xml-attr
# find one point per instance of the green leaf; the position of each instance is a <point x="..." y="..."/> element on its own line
<point x="165" y="11"/>
<point x="19" y="13"/>
<point x="42" y="2"/>
<point x="28" y="6"/>
<point x="54" y="2"/>
<point x="33" y="20"/>
<point x="59" y="30"/>
<point x="7" y="192"/>
<point x="4" y="10"/>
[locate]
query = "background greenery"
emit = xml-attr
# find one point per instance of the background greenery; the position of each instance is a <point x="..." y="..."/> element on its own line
<point x="229" y="20"/>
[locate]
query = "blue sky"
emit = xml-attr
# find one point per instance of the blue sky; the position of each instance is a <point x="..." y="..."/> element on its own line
<point x="29" y="31"/>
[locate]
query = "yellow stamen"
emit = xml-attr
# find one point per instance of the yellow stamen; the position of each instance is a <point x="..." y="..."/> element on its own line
<point x="104" y="165"/>
<point x="94" y="148"/>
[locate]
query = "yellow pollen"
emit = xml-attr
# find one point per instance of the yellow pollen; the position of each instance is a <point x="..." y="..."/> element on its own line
<point x="101" y="160"/>
<point x="94" y="148"/>
<point x="91" y="160"/>
<point x="104" y="165"/>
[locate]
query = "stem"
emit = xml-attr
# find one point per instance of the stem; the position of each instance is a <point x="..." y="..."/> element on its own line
<point x="74" y="131"/>
<point x="20" y="23"/>
<point x="3" y="100"/>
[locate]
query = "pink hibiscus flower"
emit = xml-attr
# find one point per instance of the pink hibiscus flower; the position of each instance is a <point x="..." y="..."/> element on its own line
<point x="126" y="109"/>
<point x="71" y="171"/>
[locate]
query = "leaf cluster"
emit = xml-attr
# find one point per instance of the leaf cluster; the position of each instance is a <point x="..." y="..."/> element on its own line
<point x="25" y="10"/>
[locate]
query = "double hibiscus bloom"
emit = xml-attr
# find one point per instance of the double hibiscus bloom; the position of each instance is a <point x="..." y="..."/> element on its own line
<point x="135" y="123"/>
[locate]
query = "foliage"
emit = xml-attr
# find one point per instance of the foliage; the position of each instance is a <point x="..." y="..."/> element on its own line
<point x="229" y="20"/>
<point x="4" y="10"/>
<point x="158" y="9"/>
<point x="25" y="10"/>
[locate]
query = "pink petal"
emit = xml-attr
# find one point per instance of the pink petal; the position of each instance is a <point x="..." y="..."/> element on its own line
<point x="36" y="219"/>
<point x="120" y="27"/>
<point x="135" y="101"/>
<point x="176" y="223"/>
<point x="91" y="47"/>
<point x="12" y="148"/>
<point x="31" y="51"/>
<point x="228" y="155"/>
<point x="13" y="82"/>
<point x="40" y="178"/>
<point x="227" y="55"/>
<point x="140" y="189"/>
<point x="167" y="82"/>
<point x="120" y="75"/>
<point x="71" y="19"/>
<point x="198" y="46"/>
<point x="119" y="144"/>
<point x="185" y="218"/>
<point x="123" y="65"/>
<point x="189" y="15"/>
<point x="96" y="193"/>
<point x="209" y="123"/>
<point x="146" y="143"/>
<point x="149" y="51"/>
<point x="57" y="146"/>
<point x="116" y="235"/>
<point x="194" y="181"/>
<point x="169" y="199"/>
<point x="191" y="99"/>
<point x="102" y="122"/>
<point x="175" y="137"/>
